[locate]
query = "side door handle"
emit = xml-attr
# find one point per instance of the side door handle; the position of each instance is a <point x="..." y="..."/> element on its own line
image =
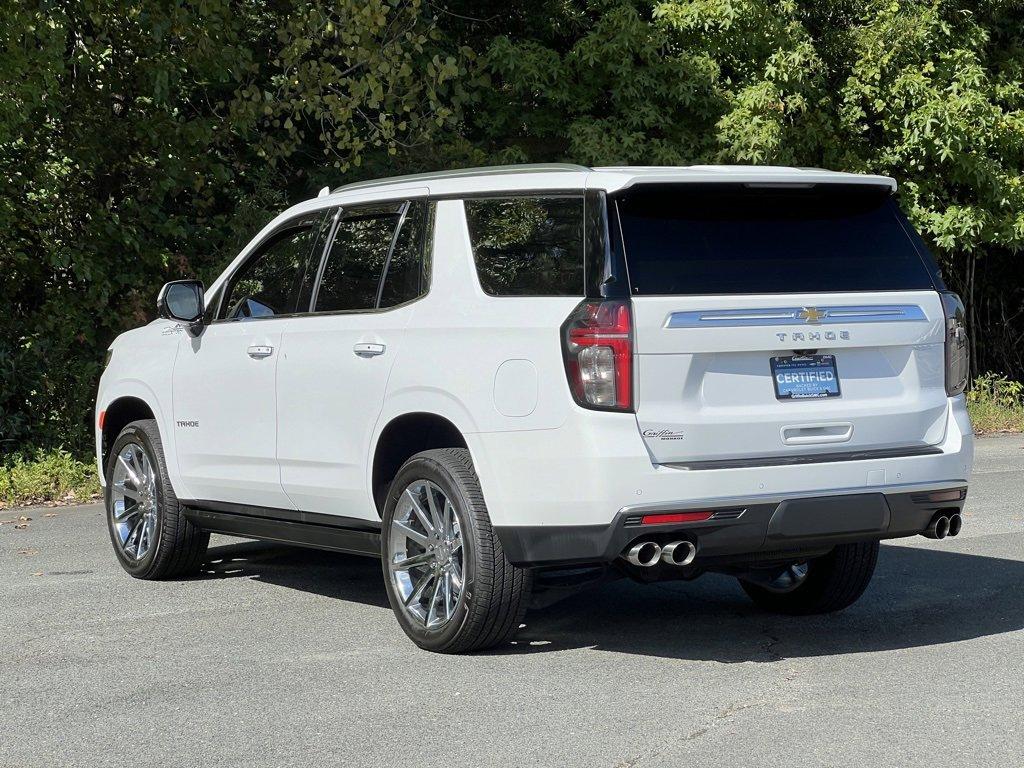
<point x="368" y="350"/>
<point x="260" y="350"/>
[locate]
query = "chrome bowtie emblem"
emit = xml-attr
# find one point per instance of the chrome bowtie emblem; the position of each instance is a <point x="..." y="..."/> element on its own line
<point x="811" y="315"/>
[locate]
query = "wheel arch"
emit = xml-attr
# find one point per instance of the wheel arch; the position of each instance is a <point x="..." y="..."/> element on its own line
<point x="401" y="438"/>
<point x="117" y="415"/>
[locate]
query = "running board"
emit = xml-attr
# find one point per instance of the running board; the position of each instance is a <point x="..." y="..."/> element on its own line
<point x="334" y="536"/>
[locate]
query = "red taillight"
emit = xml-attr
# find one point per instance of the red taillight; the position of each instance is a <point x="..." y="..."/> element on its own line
<point x="676" y="517"/>
<point x="597" y="341"/>
<point x="957" y="352"/>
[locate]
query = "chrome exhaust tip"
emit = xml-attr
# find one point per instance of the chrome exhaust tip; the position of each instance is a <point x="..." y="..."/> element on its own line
<point x="955" y="524"/>
<point x="938" y="528"/>
<point x="644" y="554"/>
<point x="679" y="552"/>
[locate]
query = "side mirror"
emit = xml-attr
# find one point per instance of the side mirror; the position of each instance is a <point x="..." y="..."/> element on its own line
<point x="183" y="300"/>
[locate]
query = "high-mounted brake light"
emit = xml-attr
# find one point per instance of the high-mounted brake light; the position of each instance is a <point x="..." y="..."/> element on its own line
<point x="597" y="342"/>
<point x="957" y="350"/>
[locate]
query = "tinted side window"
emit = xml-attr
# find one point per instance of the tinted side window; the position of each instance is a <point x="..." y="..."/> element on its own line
<point x="270" y="283"/>
<point x="528" y="246"/>
<point x="323" y="232"/>
<point x="352" y="272"/>
<point x="406" y="278"/>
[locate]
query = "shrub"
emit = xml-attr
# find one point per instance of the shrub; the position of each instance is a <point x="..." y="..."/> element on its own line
<point x="996" y="404"/>
<point x="46" y="476"/>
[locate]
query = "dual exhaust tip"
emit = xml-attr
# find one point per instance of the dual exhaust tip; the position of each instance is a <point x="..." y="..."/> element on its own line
<point x="943" y="525"/>
<point x="645" y="554"/>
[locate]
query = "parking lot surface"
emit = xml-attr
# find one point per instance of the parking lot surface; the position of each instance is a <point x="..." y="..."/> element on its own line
<point x="286" y="657"/>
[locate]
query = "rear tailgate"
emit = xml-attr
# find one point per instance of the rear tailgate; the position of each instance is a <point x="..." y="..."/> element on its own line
<point x="776" y="323"/>
<point x="705" y="390"/>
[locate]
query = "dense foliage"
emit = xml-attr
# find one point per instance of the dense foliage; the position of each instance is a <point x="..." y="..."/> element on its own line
<point x="146" y="141"/>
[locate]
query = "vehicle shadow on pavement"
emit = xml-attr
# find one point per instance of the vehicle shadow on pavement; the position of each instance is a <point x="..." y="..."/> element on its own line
<point x="331" y="574"/>
<point x="918" y="597"/>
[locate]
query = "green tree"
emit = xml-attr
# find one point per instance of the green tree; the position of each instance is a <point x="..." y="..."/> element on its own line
<point x="146" y="141"/>
<point x="928" y="92"/>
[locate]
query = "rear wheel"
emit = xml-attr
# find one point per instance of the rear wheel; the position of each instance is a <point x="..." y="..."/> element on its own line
<point x="822" y="585"/>
<point x="151" y="536"/>
<point x="448" y="580"/>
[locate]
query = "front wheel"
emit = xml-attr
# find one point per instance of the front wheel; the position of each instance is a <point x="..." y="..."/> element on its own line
<point x="448" y="580"/>
<point x="151" y="536"/>
<point x="823" y="585"/>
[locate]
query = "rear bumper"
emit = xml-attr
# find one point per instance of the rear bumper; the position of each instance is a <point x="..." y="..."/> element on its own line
<point x="751" y="529"/>
<point x="584" y="472"/>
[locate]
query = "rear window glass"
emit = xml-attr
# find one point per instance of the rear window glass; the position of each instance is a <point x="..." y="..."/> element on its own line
<point x="714" y="239"/>
<point x="528" y="246"/>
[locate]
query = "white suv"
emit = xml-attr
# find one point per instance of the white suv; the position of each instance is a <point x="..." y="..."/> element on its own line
<point x="508" y="380"/>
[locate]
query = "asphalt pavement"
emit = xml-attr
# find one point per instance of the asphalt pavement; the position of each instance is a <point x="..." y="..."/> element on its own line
<point x="286" y="657"/>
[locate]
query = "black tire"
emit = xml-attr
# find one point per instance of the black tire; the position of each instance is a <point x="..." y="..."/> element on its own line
<point x="495" y="592"/>
<point x="834" y="581"/>
<point x="180" y="546"/>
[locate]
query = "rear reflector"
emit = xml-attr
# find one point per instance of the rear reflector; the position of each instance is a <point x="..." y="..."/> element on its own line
<point x="103" y="417"/>
<point x="676" y="517"/>
<point x="954" y="495"/>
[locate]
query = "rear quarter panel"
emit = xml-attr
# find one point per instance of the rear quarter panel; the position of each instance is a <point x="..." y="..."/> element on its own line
<point x="487" y="364"/>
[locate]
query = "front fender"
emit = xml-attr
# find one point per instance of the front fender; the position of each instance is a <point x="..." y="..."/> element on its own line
<point x="141" y="367"/>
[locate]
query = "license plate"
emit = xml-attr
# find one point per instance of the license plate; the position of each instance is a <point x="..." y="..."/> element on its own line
<point x="805" y="377"/>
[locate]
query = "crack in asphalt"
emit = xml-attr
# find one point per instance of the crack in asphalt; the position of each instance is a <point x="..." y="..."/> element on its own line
<point x="723" y="714"/>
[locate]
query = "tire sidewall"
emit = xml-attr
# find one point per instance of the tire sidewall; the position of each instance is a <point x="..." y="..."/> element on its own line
<point x="422" y="468"/>
<point x="825" y="575"/>
<point x="135" y="433"/>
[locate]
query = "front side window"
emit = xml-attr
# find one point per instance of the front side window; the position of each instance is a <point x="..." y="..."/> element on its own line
<point x="355" y="263"/>
<point x="528" y="246"/>
<point x="271" y="282"/>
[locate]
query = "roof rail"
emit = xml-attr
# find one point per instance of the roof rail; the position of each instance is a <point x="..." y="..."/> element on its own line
<point x="491" y="170"/>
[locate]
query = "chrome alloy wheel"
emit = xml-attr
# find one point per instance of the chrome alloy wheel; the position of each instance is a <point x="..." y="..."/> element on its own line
<point x="425" y="554"/>
<point x="133" y="501"/>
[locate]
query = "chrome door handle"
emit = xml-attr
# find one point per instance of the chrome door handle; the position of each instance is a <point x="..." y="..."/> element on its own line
<point x="260" y="350"/>
<point x="368" y="350"/>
